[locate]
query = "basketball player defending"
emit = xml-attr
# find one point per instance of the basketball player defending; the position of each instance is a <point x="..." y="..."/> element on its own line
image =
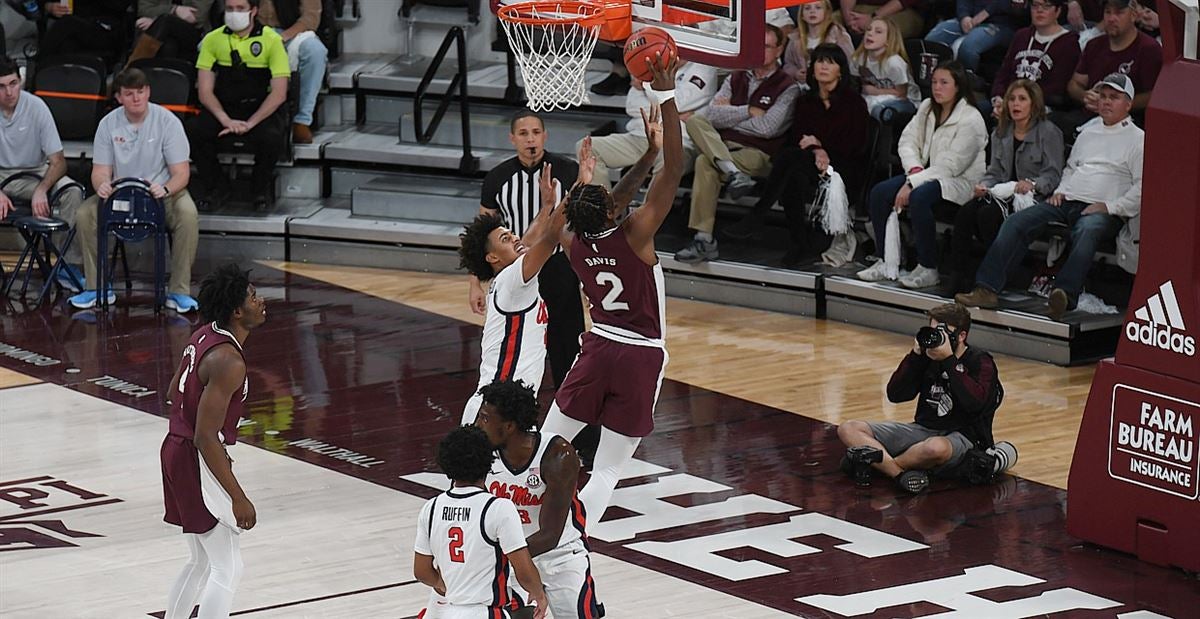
<point x="514" y="332"/>
<point x="616" y="378"/>
<point x="466" y="537"/>
<point x="208" y="393"/>
<point x="539" y="471"/>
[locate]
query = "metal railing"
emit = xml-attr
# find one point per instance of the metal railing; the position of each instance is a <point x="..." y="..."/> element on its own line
<point x="468" y="163"/>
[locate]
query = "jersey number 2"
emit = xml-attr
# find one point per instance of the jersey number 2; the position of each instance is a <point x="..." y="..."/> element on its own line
<point x="456" y="542"/>
<point x="610" y="302"/>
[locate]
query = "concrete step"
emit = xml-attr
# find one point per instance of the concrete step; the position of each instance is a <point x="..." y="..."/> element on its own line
<point x="421" y="198"/>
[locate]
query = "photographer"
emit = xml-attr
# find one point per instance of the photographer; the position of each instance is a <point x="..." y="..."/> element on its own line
<point x="959" y="392"/>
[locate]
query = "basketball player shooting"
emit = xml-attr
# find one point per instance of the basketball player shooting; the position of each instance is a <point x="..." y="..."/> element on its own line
<point x="514" y="331"/>
<point x="616" y="378"/>
<point x="467" y="538"/>
<point x="201" y="493"/>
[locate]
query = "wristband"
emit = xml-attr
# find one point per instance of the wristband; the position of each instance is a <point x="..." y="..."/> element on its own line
<point x="660" y="96"/>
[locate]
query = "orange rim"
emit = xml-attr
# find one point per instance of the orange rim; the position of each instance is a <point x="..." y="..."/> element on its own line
<point x="549" y="12"/>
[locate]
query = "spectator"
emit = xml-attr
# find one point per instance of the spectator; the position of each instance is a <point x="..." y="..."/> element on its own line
<point x="1101" y="185"/>
<point x="1027" y="149"/>
<point x="695" y="85"/>
<point x="882" y="64"/>
<point x="29" y="142"/>
<point x="242" y="82"/>
<point x="1081" y="14"/>
<point x="736" y="135"/>
<point x="1123" y="49"/>
<point x="95" y="26"/>
<point x="942" y="150"/>
<point x="979" y="26"/>
<point x="170" y="28"/>
<point x="1043" y="52"/>
<point x="142" y="140"/>
<point x="816" y="26"/>
<point x="297" y="21"/>
<point x="829" y="127"/>
<point x="1147" y="18"/>
<point x="857" y="14"/>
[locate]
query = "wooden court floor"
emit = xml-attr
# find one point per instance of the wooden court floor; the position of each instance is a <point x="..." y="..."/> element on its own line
<point x="733" y="508"/>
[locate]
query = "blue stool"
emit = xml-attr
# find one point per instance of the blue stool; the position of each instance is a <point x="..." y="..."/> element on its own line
<point x="131" y="214"/>
<point x="40" y="251"/>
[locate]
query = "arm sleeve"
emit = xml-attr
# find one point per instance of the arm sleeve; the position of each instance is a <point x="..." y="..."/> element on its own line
<point x="278" y="60"/>
<point x="696" y="88"/>
<point x="48" y="132"/>
<point x="1130" y="204"/>
<point x="102" y="148"/>
<point x="995" y="169"/>
<point x="724" y="116"/>
<point x="905" y="383"/>
<point x="421" y="545"/>
<point x="969" y="141"/>
<point x="175" y="143"/>
<point x="972" y="391"/>
<point x="491" y="187"/>
<point x="1052" y="159"/>
<point x="776" y="121"/>
<point x="310" y="14"/>
<point x="504" y="525"/>
<point x="154" y="8"/>
<point x="909" y="146"/>
<point x="206" y="58"/>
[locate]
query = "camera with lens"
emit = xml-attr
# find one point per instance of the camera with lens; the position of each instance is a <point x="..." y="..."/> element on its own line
<point x="931" y="337"/>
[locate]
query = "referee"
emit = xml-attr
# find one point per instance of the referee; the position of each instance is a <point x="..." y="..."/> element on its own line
<point x="511" y="189"/>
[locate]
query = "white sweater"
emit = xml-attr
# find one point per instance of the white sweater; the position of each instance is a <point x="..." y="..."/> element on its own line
<point x="695" y="85"/>
<point x="1106" y="166"/>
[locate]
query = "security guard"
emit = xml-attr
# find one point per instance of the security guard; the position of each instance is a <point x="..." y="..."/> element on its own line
<point x="242" y="81"/>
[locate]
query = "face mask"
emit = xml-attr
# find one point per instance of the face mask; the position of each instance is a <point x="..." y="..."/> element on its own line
<point x="237" y="21"/>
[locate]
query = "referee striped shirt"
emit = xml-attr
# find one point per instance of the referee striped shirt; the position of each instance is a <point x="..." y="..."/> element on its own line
<point x="512" y="189"/>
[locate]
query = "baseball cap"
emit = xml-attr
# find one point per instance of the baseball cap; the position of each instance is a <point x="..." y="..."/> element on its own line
<point x="1119" y="82"/>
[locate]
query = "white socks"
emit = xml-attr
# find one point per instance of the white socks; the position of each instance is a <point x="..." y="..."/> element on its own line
<point x="726" y="166"/>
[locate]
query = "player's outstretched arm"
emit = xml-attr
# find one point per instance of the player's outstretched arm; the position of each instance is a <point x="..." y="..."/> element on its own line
<point x="222" y="372"/>
<point x="641" y="227"/>
<point x="560" y="472"/>
<point x="629" y="184"/>
<point x="427" y="573"/>
<point x="530" y="580"/>
<point x="542" y="237"/>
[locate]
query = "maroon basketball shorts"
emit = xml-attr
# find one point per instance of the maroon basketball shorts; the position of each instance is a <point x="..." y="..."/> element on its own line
<point x="614" y="385"/>
<point x="182" y="494"/>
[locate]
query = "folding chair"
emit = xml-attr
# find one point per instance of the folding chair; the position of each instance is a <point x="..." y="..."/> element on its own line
<point x="131" y="214"/>
<point x="40" y="249"/>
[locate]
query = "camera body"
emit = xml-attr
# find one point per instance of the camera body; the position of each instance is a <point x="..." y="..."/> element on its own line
<point x="861" y="458"/>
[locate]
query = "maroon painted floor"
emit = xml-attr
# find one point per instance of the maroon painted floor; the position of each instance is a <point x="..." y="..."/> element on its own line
<point x="386" y="381"/>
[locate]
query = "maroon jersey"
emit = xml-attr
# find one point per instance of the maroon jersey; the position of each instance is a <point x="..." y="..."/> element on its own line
<point x="187" y="405"/>
<point x="627" y="294"/>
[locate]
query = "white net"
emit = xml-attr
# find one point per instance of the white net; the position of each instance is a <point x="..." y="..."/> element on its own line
<point x="553" y="43"/>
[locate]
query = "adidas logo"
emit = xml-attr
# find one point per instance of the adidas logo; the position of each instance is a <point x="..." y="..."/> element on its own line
<point x="1161" y="323"/>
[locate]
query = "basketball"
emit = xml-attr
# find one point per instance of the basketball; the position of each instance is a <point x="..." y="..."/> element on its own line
<point x="643" y="44"/>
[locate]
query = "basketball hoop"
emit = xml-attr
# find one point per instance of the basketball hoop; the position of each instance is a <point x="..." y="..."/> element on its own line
<point x="553" y="42"/>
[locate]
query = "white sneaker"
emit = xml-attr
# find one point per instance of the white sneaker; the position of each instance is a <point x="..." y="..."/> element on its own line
<point x="921" y="277"/>
<point x="874" y="273"/>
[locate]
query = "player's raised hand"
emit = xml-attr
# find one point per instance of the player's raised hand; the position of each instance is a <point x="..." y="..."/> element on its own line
<point x="548" y="186"/>
<point x="663" y="69"/>
<point x="587" y="162"/>
<point x="652" y="122"/>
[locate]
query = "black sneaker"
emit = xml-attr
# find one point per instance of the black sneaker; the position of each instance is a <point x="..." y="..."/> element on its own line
<point x="913" y="482"/>
<point x="615" y="85"/>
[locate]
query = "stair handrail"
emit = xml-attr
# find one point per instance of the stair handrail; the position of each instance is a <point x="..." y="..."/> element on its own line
<point x="468" y="163"/>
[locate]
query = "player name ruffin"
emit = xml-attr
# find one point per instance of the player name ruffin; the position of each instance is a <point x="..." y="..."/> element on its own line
<point x="456" y="514"/>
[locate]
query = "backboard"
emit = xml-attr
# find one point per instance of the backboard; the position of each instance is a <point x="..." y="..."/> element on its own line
<point x="723" y="33"/>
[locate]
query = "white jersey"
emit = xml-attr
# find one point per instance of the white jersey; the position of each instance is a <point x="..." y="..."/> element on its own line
<point x="514" y="334"/>
<point x="524" y="487"/>
<point x="469" y="534"/>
